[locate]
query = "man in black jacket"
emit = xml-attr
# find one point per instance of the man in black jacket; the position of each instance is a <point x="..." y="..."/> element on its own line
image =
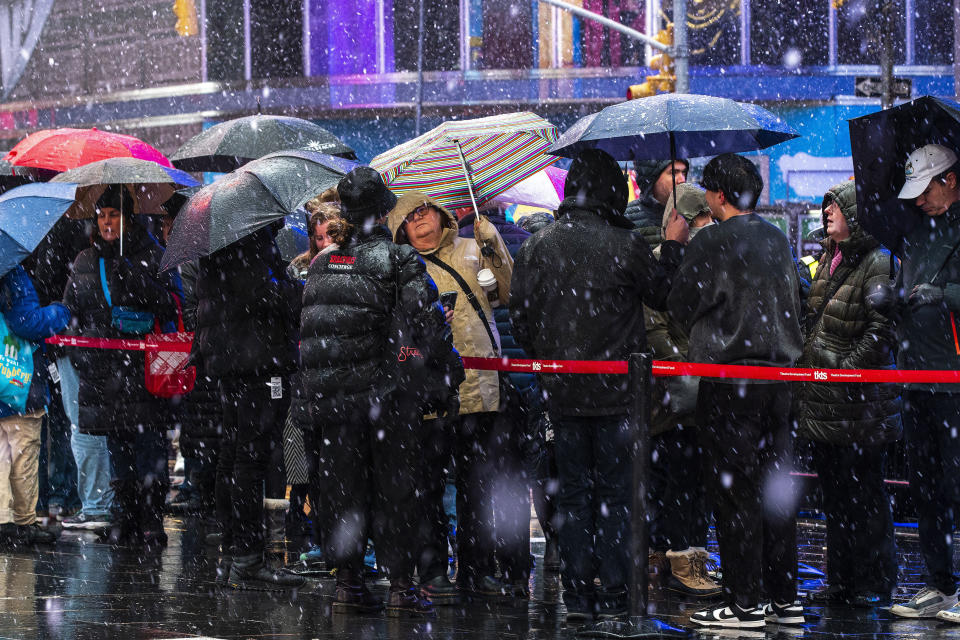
<point x="928" y="291"/>
<point x="578" y="292"/>
<point x="246" y="339"/>
<point x="365" y="413"/>
<point x="737" y="296"/>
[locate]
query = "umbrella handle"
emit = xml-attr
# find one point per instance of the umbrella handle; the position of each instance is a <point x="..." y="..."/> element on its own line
<point x="466" y="174"/>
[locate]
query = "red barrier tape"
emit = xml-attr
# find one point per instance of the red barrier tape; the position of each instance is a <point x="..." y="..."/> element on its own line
<point x="660" y="367"/>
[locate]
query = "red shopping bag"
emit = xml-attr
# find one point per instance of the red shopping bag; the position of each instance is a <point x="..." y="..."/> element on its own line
<point x="166" y="372"/>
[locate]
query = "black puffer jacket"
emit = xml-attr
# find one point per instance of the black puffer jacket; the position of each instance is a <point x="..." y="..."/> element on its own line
<point x="578" y="292"/>
<point x="848" y="335"/>
<point x="347" y="305"/>
<point x="112" y="394"/>
<point x="246" y="310"/>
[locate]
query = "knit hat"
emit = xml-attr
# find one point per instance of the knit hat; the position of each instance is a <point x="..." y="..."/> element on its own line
<point x="648" y="171"/>
<point x="116" y="197"/>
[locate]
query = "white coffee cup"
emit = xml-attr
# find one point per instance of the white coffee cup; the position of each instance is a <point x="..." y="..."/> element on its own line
<point x="488" y="282"/>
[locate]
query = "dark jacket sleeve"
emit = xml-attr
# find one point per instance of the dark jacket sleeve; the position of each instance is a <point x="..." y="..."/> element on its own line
<point x="873" y="349"/>
<point x="141" y="286"/>
<point x="25" y="317"/>
<point x="419" y="299"/>
<point x="692" y="294"/>
<point x="519" y="318"/>
<point x="188" y="278"/>
<point x="653" y="279"/>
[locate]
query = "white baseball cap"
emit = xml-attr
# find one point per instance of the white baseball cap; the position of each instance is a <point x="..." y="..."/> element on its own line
<point x="923" y="165"/>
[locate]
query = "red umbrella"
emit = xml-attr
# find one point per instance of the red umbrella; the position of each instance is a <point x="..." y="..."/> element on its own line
<point x="65" y="149"/>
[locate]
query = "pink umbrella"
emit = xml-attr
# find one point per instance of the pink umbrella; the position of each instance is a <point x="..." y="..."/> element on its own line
<point x="543" y="189"/>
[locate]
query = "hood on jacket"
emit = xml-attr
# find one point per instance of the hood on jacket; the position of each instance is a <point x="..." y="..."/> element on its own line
<point x="408" y="203"/>
<point x="649" y="170"/>
<point x="364" y="197"/>
<point x="595" y="182"/>
<point x="691" y="203"/>
<point x="845" y="195"/>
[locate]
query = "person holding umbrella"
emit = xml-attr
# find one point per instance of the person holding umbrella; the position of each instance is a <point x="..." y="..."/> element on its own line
<point x="119" y="295"/>
<point x="656" y="179"/>
<point x="924" y="303"/>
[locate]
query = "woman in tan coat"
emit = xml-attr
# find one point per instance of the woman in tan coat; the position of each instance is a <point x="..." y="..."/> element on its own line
<point x="484" y="445"/>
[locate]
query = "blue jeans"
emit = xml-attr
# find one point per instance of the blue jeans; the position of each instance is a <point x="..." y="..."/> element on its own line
<point x="89" y="452"/>
<point x="593" y="461"/>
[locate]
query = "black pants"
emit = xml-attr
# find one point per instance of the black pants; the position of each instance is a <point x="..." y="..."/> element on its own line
<point x="437" y="467"/>
<point x="141" y="478"/>
<point x="861" y="554"/>
<point x="252" y="421"/>
<point x="593" y="459"/>
<point x="370" y="466"/>
<point x="493" y="499"/>
<point x="931" y="422"/>
<point x="676" y="497"/>
<point x="546" y="493"/>
<point x="747" y="450"/>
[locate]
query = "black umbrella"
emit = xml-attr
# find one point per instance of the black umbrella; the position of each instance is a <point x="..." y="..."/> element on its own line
<point x="249" y="199"/>
<point x="230" y="145"/>
<point x="881" y="143"/>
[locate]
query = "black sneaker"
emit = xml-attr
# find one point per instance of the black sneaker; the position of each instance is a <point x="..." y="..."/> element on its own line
<point x="408" y="601"/>
<point x="260" y="577"/>
<point x="834" y="594"/>
<point x="35" y="534"/>
<point x="732" y="617"/>
<point x="783" y="613"/>
<point x="487" y="586"/>
<point x="440" y="591"/>
<point x="612" y="604"/>
<point x="354" y="597"/>
<point x="871" y="599"/>
<point x="579" y="608"/>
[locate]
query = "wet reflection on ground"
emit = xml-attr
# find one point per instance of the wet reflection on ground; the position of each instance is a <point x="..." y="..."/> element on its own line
<point x="82" y="589"/>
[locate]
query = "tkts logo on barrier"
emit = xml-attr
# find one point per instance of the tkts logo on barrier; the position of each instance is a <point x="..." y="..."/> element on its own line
<point x="342" y="263"/>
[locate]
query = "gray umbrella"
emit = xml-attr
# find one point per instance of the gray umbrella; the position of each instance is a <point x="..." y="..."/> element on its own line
<point x="232" y="144"/>
<point x="249" y="199"/>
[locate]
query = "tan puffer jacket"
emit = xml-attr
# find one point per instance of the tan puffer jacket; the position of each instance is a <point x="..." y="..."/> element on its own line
<point x="481" y="389"/>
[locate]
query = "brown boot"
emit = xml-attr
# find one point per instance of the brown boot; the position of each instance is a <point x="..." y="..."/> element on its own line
<point x="689" y="574"/>
<point x="658" y="568"/>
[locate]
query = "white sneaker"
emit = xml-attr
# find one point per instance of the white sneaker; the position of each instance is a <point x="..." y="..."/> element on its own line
<point x="783" y="613"/>
<point x="730" y="617"/>
<point x="926" y="604"/>
<point x="950" y="615"/>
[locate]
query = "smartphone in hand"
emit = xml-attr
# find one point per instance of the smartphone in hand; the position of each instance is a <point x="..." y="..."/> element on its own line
<point x="448" y="299"/>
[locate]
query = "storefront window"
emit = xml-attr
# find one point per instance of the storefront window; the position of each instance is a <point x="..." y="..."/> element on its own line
<point x="789" y="33"/>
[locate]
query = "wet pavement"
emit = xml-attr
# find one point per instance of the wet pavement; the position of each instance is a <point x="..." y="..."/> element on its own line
<point x="83" y="589"/>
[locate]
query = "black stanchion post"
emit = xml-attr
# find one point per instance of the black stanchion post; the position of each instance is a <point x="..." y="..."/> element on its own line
<point x="639" y="368"/>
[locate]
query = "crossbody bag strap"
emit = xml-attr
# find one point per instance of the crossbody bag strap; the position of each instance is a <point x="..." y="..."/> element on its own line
<point x="103" y="284"/>
<point x="469" y="293"/>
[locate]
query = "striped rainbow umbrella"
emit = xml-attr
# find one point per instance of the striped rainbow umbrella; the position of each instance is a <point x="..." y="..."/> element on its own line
<point x="463" y="162"/>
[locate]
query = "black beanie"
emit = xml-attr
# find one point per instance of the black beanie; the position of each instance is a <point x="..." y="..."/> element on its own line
<point x="594" y="179"/>
<point x="117" y="197"/>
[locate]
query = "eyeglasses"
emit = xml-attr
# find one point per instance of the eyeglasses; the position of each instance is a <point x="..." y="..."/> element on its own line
<point x="419" y="212"/>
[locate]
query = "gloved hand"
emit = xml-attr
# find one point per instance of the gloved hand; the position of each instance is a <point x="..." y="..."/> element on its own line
<point x="449" y="408"/>
<point x="882" y="298"/>
<point x="925" y="294"/>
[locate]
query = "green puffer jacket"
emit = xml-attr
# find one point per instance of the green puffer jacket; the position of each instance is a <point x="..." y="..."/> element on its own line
<point x="848" y="335"/>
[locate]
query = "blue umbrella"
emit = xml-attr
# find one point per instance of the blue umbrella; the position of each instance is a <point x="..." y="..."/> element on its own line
<point x="673" y="125"/>
<point x="27" y="214"/>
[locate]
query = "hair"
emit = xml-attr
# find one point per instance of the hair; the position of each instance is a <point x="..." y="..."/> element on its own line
<point x="736" y="178"/>
<point x="330" y="195"/>
<point x="955" y="170"/>
<point x="339" y="229"/>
